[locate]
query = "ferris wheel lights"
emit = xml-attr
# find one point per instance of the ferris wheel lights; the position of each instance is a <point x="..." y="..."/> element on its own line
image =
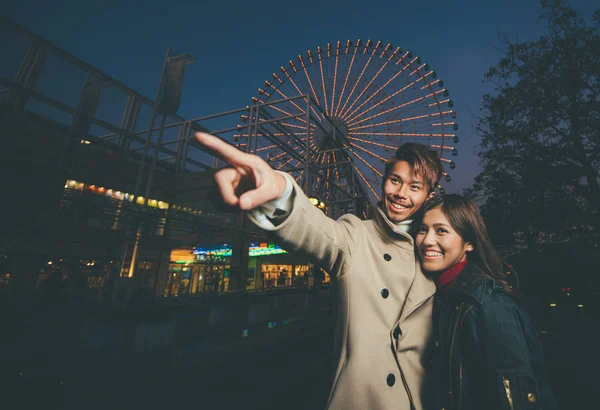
<point x="448" y="178"/>
<point x="456" y="139"/>
<point x="337" y="85"/>
<point x="454" y="152"/>
<point x="455" y="127"/>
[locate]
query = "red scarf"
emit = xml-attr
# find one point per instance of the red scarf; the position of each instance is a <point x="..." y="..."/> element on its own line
<point x="446" y="279"/>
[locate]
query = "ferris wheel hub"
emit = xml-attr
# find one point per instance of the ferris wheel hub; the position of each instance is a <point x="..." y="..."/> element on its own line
<point x="333" y="134"/>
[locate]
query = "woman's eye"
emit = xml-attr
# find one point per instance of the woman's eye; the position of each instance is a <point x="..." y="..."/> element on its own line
<point x="441" y="230"/>
<point x="422" y="229"/>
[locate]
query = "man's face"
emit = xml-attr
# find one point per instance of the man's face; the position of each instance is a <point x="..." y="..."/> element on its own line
<point x="404" y="192"/>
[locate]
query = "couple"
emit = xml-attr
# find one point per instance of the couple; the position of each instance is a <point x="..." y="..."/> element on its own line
<point x="479" y="352"/>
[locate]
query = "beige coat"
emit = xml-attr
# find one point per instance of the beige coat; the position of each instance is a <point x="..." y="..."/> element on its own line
<point x="378" y="287"/>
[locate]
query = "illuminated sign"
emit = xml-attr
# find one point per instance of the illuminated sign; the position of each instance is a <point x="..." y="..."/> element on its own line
<point x="254" y="249"/>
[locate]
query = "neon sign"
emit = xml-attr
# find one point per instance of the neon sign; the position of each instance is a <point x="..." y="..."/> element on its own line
<point x="254" y="249"/>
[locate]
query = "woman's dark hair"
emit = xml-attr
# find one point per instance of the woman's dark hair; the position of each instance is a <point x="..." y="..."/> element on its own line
<point x="466" y="220"/>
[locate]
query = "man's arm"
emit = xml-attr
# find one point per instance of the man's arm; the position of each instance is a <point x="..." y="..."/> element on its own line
<point x="252" y="185"/>
<point x="250" y="182"/>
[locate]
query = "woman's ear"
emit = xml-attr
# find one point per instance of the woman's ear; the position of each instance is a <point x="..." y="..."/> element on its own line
<point x="469" y="248"/>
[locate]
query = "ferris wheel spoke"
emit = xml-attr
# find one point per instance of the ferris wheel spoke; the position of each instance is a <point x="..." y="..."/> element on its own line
<point x="308" y="78"/>
<point x="413" y="118"/>
<point x="404" y="134"/>
<point x="337" y="172"/>
<point x="289" y="77"/>
<point x="323" y="80"/>
<point x="280" y="110"/>
<point x="379" y="157"/>
<point x="347" y="76"/>
<point x="337" y="55"/>
<point x="355" y="85"/>
<point x="344" y="114"/>
<point x="364" y="161"/>
<point x="367" y="182"/>
<point x="302" y="127"/>
<point x="351" y="118"/>
<point x="278" y="91"/>
<point x="372" y="143"/>
<point x="406" y="104"/>
<point x="264" y="148"/>
<point x="389" y="81"/>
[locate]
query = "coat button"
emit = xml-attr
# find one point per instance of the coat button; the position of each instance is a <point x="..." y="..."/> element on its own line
<point x="391" y="379"/>
<point x="531" y="398"/>
<point x="387" y="257"/>
<point x="437" y="343"/>
<point x="396" y="332"/>
<point x="385" y="293"/>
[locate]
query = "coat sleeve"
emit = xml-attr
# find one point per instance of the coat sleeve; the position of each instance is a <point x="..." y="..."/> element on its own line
<point x="307" y="231"/>
<point x="501" y="341"/>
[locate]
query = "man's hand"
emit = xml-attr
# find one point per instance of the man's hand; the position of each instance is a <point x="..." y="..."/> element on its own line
<point x="250" y="183"/>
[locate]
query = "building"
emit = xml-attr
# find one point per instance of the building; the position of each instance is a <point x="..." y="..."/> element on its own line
<point x="97" y="207"/>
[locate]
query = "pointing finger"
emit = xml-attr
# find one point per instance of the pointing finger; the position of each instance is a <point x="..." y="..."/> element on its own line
<point x="217" y="145"/>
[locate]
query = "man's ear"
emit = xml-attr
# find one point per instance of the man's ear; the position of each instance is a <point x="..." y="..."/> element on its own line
<point x="430" y="196"/>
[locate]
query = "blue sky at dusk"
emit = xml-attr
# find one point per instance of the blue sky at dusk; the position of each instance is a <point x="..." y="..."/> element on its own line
<point x="237" y="45"/>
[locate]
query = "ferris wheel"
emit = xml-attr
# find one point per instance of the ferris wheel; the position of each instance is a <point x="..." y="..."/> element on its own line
<point x="342" y="111"/>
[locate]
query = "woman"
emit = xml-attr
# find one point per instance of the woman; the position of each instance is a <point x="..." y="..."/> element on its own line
<point x="487" y="353"/>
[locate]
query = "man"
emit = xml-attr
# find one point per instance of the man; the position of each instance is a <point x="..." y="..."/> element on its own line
<point x="382" y="300"/>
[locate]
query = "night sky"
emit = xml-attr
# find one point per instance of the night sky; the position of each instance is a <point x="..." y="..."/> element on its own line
<point x="237" y="45"/>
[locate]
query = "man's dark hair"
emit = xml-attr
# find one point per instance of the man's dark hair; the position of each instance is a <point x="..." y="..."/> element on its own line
<point x="423" y="159"/>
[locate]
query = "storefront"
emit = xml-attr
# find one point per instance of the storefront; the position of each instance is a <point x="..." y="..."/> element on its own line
<point x="200" y="270"/>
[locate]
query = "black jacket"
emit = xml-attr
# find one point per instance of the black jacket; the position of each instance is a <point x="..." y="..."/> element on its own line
<point x="487" y="353"/>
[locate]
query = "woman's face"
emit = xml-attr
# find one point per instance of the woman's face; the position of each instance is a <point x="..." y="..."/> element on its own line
<point x="440" y="246"/>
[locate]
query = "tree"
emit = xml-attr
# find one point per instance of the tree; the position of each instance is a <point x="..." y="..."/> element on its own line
<point x="540" y="149"/>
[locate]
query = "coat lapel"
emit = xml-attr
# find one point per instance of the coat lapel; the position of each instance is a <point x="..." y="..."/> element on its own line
<point x="422" y="289"/>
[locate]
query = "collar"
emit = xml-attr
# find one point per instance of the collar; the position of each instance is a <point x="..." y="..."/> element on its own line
<point x="397" y="227"/>
<point x="445" y="279"/>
